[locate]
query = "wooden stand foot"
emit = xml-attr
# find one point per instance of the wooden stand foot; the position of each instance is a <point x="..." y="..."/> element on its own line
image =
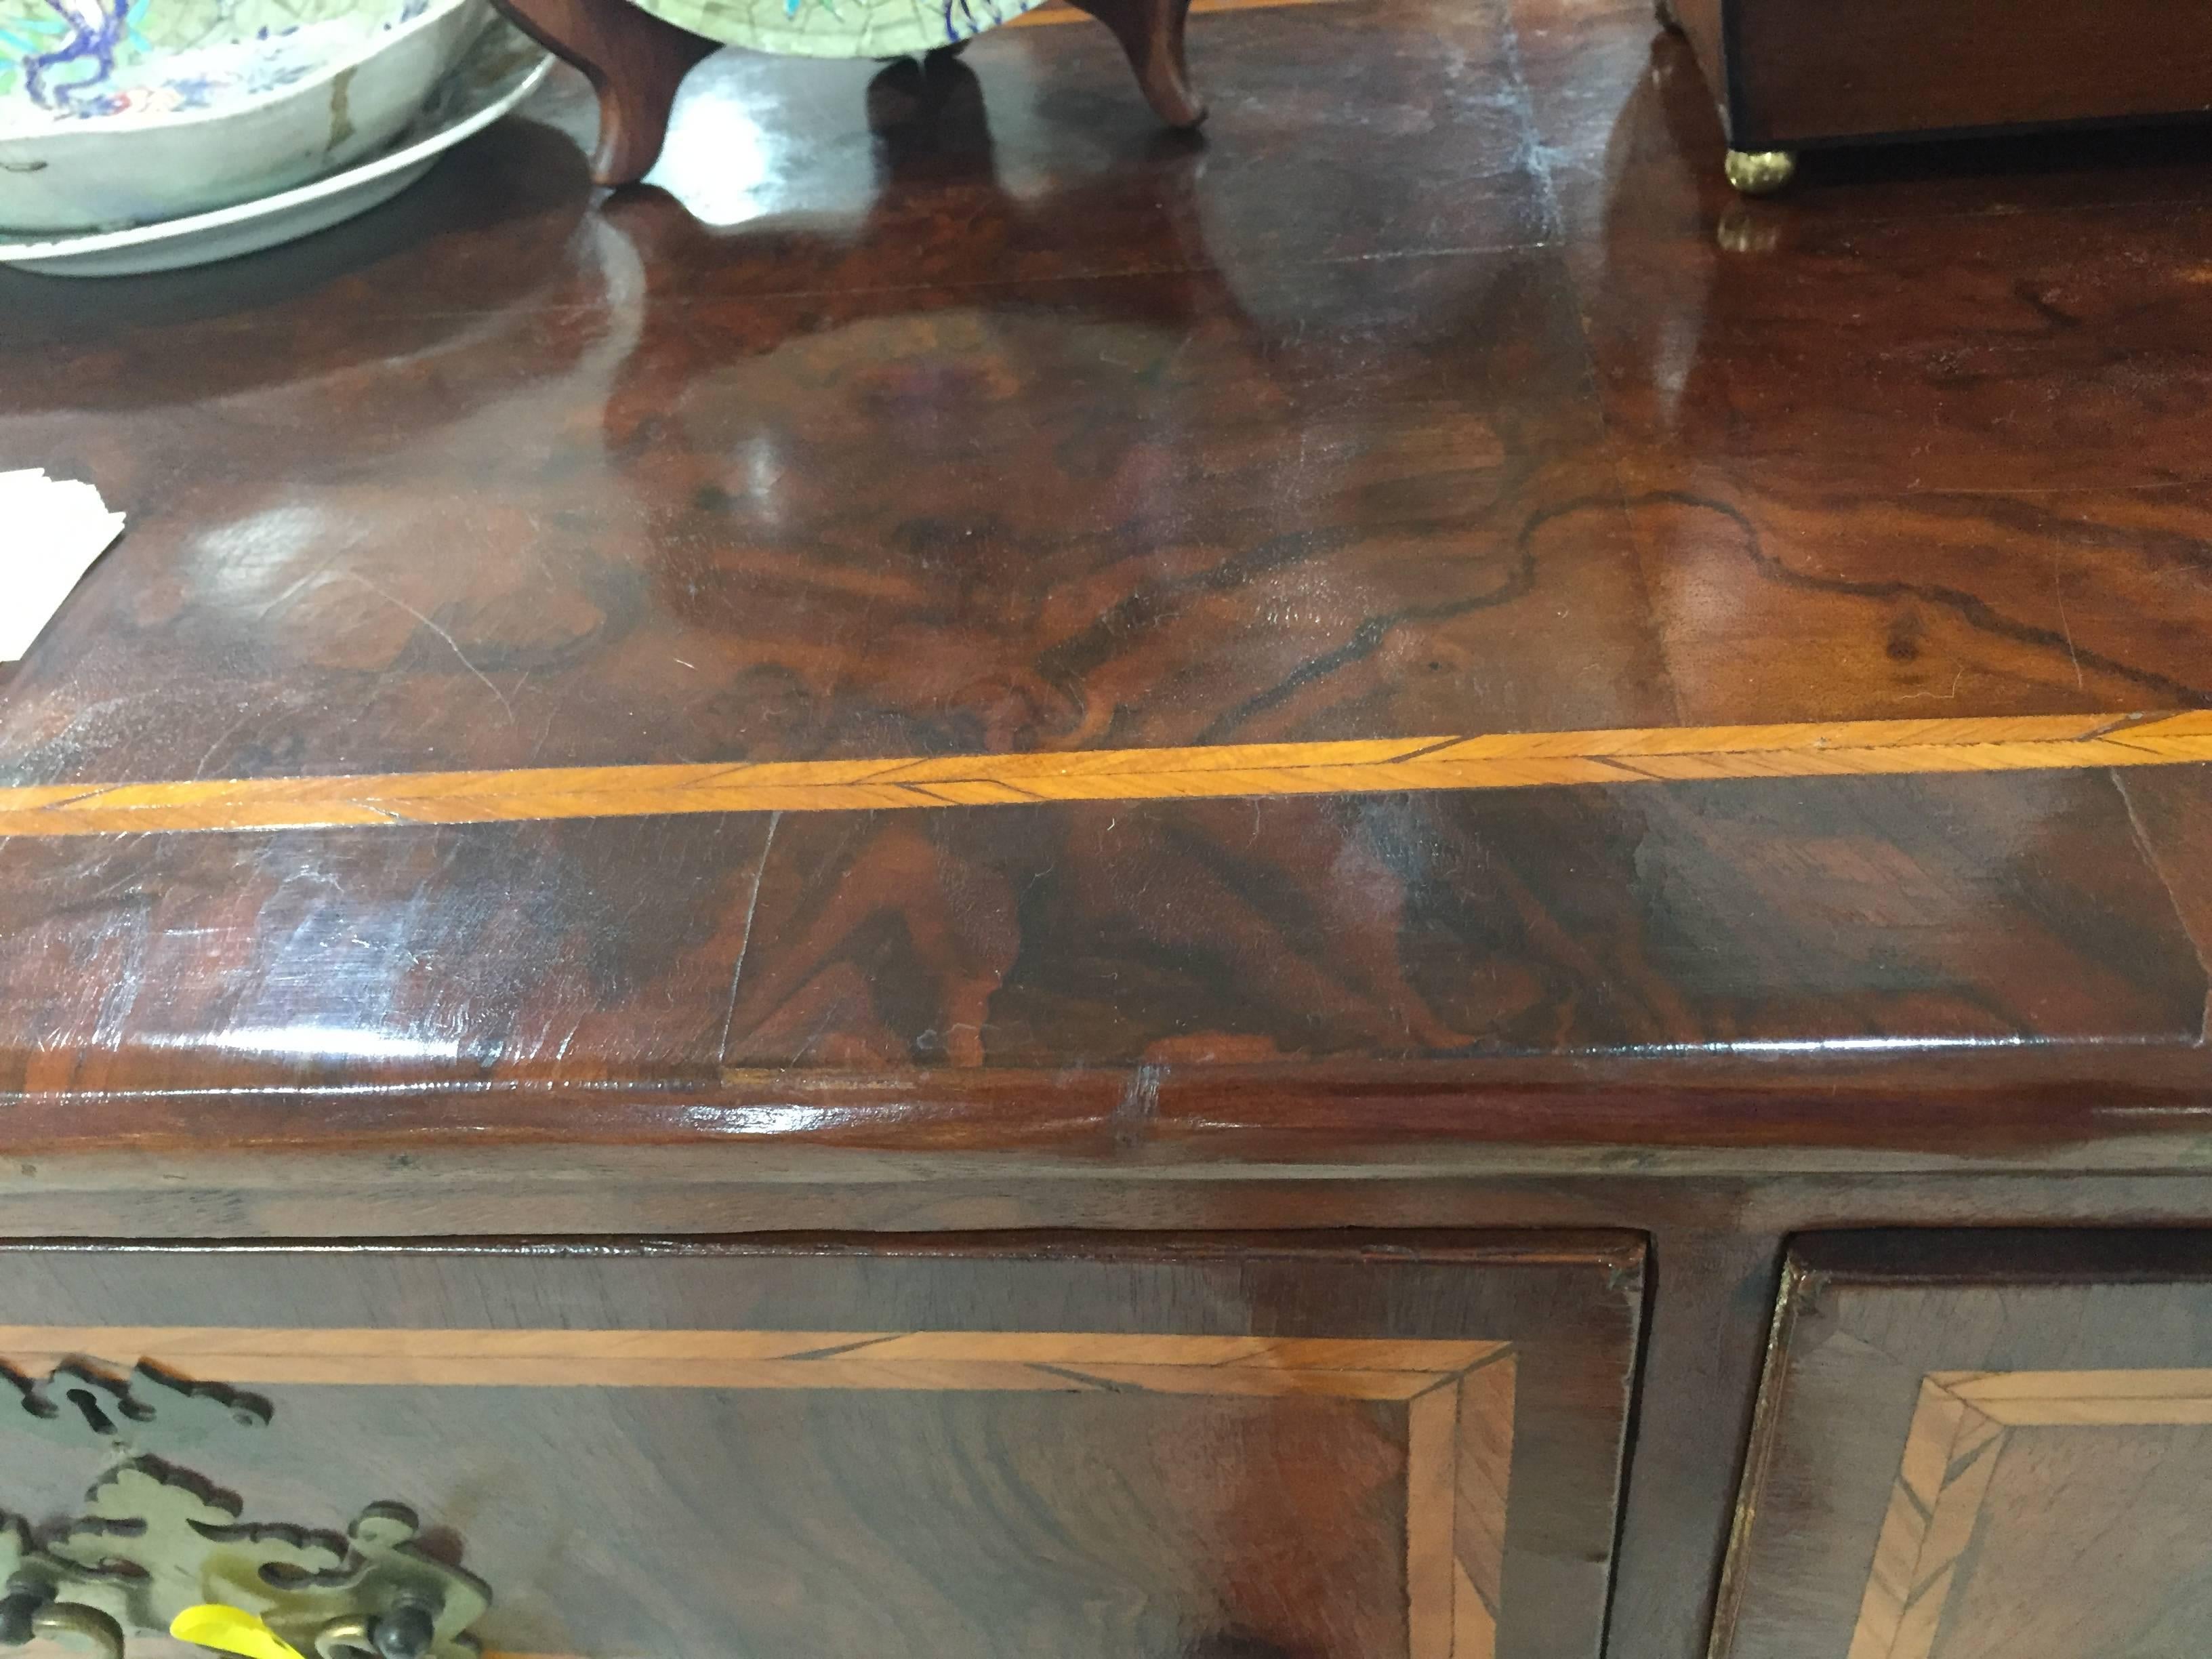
<point x="634" y="61"/>
<point x="1151" y="32"/>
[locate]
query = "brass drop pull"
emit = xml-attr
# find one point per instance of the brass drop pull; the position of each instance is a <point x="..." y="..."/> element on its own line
<point x="28" y="1611"/>
<point x="345" y="1638"/>
<point x="406" y="1633"/>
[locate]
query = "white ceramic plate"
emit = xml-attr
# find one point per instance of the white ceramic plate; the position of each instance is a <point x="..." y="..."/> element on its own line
<point x="229" y="121"/>
<point x="499" y="71"/>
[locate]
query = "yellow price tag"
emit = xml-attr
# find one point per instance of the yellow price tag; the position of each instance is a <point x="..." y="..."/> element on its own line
<point x="231" y="1630"/>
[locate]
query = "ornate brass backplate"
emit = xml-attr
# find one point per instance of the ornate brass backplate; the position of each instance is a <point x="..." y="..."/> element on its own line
<point x="80" y="1405"/>
<point x="155" y="1539"/>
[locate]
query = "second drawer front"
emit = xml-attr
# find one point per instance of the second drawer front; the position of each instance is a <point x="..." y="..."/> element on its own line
<point x="1981" y="1446"/>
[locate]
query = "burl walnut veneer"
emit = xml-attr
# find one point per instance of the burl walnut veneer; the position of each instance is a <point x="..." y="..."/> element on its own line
<point x="978" y="885"/>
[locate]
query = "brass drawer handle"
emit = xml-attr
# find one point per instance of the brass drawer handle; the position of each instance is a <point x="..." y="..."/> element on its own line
<point x="344" y="1638"/>
<point x="157" y="1553"/>
<point x="158" y="1546"/>
<point x="27" y="1613"/>
<point x="406" y="1633"/>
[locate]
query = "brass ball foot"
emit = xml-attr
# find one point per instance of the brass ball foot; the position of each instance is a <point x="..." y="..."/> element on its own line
<point x="1761" y="171"/>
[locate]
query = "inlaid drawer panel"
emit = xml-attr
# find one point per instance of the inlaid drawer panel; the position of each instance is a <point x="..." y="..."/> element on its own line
<point x="1981" y="1446"/>
<point x="1180" y="1449"/>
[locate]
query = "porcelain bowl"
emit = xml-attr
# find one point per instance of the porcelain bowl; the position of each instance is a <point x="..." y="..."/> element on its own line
<point x="117" y="113"/>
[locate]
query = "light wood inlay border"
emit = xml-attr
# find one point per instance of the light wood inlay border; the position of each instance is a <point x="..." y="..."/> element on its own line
<point x="1958" y="1432"/>
<point x="1458" y="1397"/>
<point x="1501" y="761"/>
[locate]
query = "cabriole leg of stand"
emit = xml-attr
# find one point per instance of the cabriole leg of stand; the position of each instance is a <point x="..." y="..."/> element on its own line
<point x="1151" y="32"/>
<point x="634" y="62"/>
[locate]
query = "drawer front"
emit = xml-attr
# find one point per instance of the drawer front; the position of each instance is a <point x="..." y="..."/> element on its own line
<point x="1981" y="1447"/>
<point x="1233" y="1448"/>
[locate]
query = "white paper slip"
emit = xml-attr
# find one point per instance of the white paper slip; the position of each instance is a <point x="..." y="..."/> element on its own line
<point x="51" y="530"/>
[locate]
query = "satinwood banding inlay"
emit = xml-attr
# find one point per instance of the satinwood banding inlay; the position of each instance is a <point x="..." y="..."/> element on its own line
<point x="1515" y="760"/>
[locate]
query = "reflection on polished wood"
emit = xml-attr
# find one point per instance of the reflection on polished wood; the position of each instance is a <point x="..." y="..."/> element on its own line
<point x="940" y="421"/>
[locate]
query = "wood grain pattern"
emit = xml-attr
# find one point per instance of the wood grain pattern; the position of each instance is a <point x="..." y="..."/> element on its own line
<point x="1290" y="452"/>
<point x="1441" y="390"/>
<point x="1503" y="760"/>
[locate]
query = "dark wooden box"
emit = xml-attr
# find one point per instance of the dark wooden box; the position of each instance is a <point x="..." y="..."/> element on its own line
<point x="1792" y="74"/>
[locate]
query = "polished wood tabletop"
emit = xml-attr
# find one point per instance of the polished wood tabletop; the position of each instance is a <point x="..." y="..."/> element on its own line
<point x="952" y="617"/>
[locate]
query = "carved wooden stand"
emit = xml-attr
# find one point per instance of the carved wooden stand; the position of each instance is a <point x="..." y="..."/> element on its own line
<point x="636" y="61"/>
